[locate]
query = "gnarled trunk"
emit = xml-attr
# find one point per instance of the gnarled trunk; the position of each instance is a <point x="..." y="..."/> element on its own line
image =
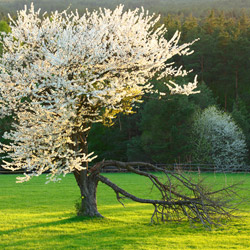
<point x="88" y="186"/>
<point x="86" y="181"/>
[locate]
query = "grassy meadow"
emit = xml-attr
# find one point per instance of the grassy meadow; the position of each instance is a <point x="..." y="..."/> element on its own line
<point x="38" y="216"/>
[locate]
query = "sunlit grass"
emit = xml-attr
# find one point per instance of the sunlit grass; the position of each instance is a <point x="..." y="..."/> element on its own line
<point x="38" y="216"/>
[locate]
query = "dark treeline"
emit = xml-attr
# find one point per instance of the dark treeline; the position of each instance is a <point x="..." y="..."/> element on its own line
<point x="161" y="129"/>
<point x="221" y="57"/>
<point x="194" y="7"/>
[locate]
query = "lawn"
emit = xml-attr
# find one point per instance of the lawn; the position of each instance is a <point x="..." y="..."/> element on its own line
<point x="38" y="216"/>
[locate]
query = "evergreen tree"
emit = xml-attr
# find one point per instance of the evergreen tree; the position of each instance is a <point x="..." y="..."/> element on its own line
<point x="242" y="117"/>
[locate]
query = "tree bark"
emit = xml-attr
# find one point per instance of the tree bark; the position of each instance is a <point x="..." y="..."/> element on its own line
<point x="88" y="186"/>
<point x="86" y="181"/>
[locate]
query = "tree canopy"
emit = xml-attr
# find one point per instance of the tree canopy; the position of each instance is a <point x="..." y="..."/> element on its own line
<point x="61" y="73"/>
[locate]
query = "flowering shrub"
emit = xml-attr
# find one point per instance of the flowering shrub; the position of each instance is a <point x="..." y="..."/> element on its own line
<point x="218" y="140"/>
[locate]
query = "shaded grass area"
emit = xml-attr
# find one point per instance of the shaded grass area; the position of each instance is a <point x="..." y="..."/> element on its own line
<point x="38" y="216"/>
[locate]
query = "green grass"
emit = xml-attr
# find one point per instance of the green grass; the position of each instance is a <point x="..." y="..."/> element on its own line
<point x="38" y="216"/>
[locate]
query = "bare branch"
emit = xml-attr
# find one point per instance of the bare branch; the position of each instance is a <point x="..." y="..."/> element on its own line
<point x="180" y="196"/>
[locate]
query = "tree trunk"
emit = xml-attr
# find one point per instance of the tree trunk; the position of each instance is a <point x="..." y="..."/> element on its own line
<point x="88" y="186"/>
<point x="87" y="182"/>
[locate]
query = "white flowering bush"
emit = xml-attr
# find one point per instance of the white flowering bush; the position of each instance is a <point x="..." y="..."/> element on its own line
<point x="218" y="140"/>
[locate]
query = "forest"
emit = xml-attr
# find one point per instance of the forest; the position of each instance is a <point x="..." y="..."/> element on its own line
<point x="195" y="7"/>
<point x="161" y="130"/>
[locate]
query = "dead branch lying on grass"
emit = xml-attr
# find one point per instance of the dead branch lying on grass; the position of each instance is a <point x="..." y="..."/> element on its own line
<point x="180" y="196"/>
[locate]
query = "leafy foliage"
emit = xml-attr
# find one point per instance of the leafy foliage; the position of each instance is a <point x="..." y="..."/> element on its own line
<point x="242" y="117"/>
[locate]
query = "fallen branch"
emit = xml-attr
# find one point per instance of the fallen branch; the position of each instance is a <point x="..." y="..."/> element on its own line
<point x="180" y="196"/>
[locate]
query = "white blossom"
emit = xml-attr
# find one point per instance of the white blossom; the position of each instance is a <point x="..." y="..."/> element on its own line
<point x="61" y="73"/>
<point x="219" y="140"/>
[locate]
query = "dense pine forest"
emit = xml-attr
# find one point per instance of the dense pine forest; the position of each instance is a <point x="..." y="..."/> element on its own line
<point x="161" y="130"/>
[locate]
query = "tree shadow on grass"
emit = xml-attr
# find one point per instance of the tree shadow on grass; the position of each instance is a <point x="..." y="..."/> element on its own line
<point x="113" y="237"/>
<point x="76" y="219"/>
<point x="52" y="223"/>
<point x="100" y="237"/>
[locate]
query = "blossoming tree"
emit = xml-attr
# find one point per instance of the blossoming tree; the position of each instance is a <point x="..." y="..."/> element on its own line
<point x="219" y="140"/>
<point x="62" y="72"/>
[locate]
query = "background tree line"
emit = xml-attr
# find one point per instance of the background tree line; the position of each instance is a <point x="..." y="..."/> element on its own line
<point x="161" y="131"/>
<point x="194" y="7"/>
